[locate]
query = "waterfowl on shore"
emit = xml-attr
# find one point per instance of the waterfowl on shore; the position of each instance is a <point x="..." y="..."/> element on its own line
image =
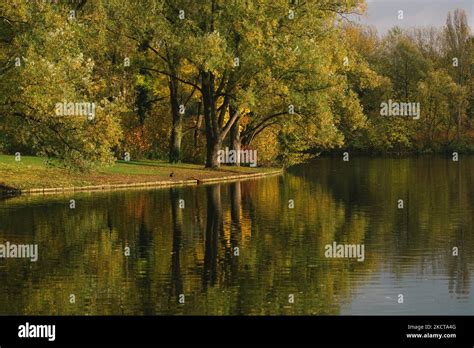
<point x="193" y="178"/>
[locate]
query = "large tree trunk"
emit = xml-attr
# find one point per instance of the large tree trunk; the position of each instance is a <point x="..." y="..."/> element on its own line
<point x="197" y="132"/>
<point x="216" y="127"/>
<point x="212" y="156"/>
<point x="177" y="123"/>
<point x="175" y="140"/>
<point x="213" y="136"/>
<point x="234" y="140"/>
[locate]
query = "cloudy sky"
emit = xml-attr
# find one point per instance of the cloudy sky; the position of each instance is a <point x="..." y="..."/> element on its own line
<point x="383" y="14"/>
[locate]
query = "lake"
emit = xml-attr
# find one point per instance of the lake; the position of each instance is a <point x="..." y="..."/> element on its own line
<point x="254" y="247"/>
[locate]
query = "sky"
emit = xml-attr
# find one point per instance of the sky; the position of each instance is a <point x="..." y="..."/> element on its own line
<point x="383" y="14"/>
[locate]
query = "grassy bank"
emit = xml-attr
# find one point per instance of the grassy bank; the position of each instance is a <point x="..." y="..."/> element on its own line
<point x="35" y="173"/>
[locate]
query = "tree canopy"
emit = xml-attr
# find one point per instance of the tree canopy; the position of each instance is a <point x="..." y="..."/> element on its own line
<point x="182" y="80"/>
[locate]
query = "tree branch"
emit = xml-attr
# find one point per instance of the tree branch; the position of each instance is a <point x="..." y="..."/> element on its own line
<point x="174" y="76"/>
<point x="229" y="124"/>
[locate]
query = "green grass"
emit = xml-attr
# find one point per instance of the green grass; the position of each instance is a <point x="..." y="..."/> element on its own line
<point x="35" y="172"/>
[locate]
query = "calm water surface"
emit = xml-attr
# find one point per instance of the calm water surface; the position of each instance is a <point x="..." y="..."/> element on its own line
<point x="192" y="251"/>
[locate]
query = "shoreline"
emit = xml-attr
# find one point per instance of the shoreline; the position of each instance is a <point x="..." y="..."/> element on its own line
<point x="11" y="191"/>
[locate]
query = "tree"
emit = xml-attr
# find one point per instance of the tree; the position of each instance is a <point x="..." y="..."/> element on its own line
<point x="44" y="41"/>
<point x="443" y="101"/>
<point x="459" y="51"/>
<point x="156" y="28"/>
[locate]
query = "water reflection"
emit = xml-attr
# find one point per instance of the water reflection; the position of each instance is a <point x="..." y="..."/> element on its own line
<point x="238" y="248"/>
